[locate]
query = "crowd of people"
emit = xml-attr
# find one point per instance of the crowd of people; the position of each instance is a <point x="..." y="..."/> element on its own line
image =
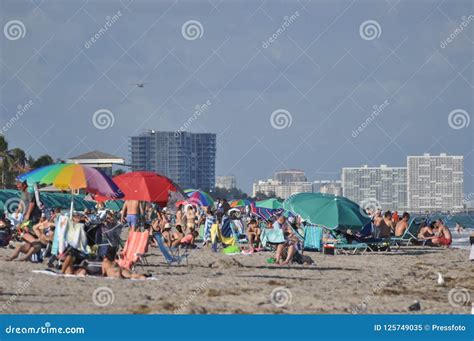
<point x="30" y="232"/>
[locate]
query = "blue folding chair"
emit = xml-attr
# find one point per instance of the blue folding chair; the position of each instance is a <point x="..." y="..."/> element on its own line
<point x="167" y="252"/>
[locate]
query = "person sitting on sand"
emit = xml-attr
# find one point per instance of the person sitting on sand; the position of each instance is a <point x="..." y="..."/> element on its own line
<point x="402" y="225"/>
<point x="5" y="231"/>
<point x="189" y="238"/>
<point x="111" y="269"/>
<point x="443" y="236"/>
<point x="253" y="234"/>
<point x="177" y="236"/>
<point x="426" y="232"/>
<point x="290" y="247"/>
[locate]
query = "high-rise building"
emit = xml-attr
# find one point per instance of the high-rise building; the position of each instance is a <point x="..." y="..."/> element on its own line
<point x="333" y="187"/>
<point x="227" y="182"/>
<point x="187" y="158"/>
<point x="276" y="188"/>
<point x="435" y="183"/>
<point x="291" y="175"/>
<point x="384" y="186"/>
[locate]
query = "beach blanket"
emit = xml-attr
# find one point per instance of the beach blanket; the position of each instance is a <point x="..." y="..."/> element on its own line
<point x="58" y="274"/>
<point x="274" y="236"/>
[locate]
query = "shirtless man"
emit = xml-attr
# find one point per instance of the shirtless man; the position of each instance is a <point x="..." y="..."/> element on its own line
<point x="131" y="212"/>
<point x="253" y="233"/>
<point x="383" y="225"/>
<point x="402" y="225"/>
<point x="443" y="236"/>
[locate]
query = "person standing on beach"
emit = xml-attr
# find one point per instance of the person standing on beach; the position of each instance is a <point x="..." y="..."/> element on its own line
<point x="131" y="212"/>
<point x="28" y="205"/>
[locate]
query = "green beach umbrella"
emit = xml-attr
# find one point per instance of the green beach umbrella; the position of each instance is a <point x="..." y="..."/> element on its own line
<point x="327" y="210"/>
<point x="272" y="204"/>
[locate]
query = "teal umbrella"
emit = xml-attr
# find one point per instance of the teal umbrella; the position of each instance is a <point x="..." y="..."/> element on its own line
<point x="272" y="204"/>
<point x="327" y="210"/>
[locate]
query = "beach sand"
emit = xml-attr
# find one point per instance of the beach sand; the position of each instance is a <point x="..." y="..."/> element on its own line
<point x="213" y="283"/>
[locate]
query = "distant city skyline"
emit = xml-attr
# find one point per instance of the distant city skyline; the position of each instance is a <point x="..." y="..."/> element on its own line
<point x="310" y="85"/>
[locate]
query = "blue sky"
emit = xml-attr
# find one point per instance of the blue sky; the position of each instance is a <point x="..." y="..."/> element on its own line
<point x="322" y="73"/>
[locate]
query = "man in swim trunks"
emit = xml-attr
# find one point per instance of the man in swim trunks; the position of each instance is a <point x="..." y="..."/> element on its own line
<point x="131" y="213"/>
<point x="443" y="237"/>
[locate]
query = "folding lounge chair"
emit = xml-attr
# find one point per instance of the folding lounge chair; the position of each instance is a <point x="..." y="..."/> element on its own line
<point x="411" y="233"/>
<point x="313" y="236"/>
<point x="135" y="250"/>
<point x="170" y="256"/>
<point x="270" y="237"/>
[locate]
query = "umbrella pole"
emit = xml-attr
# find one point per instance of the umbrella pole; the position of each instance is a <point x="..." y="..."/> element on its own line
<point x="72" y="204"/>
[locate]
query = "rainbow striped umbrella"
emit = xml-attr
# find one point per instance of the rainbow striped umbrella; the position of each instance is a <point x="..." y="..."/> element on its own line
<point x="240" y="203"/>
<point x="199" y="197"/>
<point x="69" y="176"/>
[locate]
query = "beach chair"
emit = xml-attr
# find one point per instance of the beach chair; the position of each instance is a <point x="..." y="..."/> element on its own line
<point x="411" y="233"/>
<point x="135" y="250"/>
<point x="171" y="254"/>
<point x="269" y="237"/>
<point x="313" y="236"/>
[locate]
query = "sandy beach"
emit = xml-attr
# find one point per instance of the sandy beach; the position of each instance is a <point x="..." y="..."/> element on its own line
<point x="214" y="283"/>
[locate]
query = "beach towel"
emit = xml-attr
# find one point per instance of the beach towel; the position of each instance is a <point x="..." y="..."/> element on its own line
<point x="76" y="237"/>
<point x="312" y="237"/>
<point x="210" y="220"/>
<point x="136" y="245"/>
<point x="471" y="255"/>
<point x="59" y="241"/>
<point x="58" y="274"/>
<point x="217" y="235"/>
<point x="274" y="236"/>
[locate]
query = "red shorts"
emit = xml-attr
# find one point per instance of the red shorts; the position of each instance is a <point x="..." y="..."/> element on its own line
<point x="444" y="241"/>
